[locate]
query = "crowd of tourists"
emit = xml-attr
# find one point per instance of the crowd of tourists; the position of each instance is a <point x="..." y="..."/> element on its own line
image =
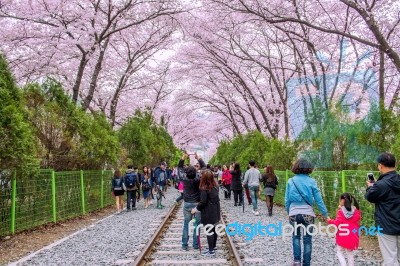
<point x="199" y="186"/>
<point x="153" y="183"/>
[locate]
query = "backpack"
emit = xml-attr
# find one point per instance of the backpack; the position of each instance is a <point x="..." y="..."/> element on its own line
<point x="131" y="180"/>
<point x="117" y="184"/>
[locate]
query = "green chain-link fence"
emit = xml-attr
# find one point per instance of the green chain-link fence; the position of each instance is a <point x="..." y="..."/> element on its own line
<point x="355" y="183"/>
<point x="26" y="202"/>
<point x="280" y="189"/>
<point x="48" y="196"/>
<point x="5" y="202"/>
<point x="330" y="186"/>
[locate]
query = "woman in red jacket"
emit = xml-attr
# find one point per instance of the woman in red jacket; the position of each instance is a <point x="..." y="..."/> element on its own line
<point x="226" y="181"/>
<point x="348" y="217"/>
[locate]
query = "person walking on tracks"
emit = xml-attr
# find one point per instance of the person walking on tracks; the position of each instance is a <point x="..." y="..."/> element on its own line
<point x="160" y="177"/>
<point x="226" y="181"/>
<point x="236" y="185"/>
<point x="191" y="196"/>
<point x="132" y="187"/>
<point x="252" y="178"/>
<point x="301" y="191"/>
<point x="210" y="209"/>
<point x="385" y="193"/>
<point x="270" y="181"/>
<point x="117" y="187"/>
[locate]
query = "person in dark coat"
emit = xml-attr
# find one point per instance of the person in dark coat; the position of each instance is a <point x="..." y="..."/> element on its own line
<point x="385" y="193"/>
<point x="270" y="181"/>
<point x="190" y="178"/>
<point x="209" y="207"/>
<point x="236" y="185"/>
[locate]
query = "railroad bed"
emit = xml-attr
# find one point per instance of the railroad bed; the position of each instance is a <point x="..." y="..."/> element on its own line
<point x="165" y="248"/>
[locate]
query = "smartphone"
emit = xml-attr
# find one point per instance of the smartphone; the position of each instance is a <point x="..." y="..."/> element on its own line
<point x="371" y="178"/>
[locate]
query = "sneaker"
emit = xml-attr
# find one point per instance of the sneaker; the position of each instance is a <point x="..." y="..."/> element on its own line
<point x="256" y="213"/>
<point x="235" y="204"/>
<point x="134" y="208"/>
<point x="208" y="253"/>
<point x="185" y="248"/>
<point x="196" y="247"/>
<point x="296" y="263"/>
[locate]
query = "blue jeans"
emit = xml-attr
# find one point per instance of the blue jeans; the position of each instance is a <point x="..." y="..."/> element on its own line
<point x="187" y="216"/>
<point x="253" y="193"/>
<point x="304" y="220"/>
<point x="130" y="197"/>
<point x="159" y="196"/>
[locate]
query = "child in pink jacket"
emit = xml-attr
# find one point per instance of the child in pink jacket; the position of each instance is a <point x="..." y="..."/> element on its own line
<point x="348" y="217"/>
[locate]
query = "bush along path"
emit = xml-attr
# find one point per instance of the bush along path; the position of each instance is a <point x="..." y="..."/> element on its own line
<point x="117" y="239"/>
<point x="276" y="250"/>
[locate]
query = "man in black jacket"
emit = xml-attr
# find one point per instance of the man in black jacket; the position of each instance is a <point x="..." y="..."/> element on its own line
<point x="191" y="196"/>
<point x="385" y="193"/>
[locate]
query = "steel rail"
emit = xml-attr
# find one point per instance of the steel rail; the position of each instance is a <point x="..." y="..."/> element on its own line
<point x="142" y="258"/>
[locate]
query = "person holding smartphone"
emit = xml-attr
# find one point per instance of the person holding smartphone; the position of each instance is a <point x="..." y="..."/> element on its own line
<point x="191" y="197"/>
<point x="385" y="193"/>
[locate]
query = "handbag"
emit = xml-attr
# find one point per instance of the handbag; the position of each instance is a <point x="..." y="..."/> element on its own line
<point x="146" y="186"/>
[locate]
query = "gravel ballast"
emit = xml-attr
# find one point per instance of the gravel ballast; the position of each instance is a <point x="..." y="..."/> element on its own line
<point x="117" y="239"/>
<point x="275" y="250"/>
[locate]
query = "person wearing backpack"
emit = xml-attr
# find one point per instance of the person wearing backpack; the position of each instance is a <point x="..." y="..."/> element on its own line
<point x="160" y="177"/>
<point x="118" y="190"/>
<point x="132" y="187"/>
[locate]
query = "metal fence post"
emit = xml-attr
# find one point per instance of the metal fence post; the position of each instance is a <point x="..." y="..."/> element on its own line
<point x="53" y="191"/>
<point x="83" y="193"/>
<point x="102" y="190"/>
<point x="287" y="175"/>
<point x="343" y="181"/>
<point x="13" y="203"/>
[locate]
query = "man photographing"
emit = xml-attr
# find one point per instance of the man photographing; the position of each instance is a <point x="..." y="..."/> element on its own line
<point x="191" y="197"/>
<point x="385" y="193"/>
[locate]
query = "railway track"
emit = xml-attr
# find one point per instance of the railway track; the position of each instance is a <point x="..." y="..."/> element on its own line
<point x="164" y="248"/>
